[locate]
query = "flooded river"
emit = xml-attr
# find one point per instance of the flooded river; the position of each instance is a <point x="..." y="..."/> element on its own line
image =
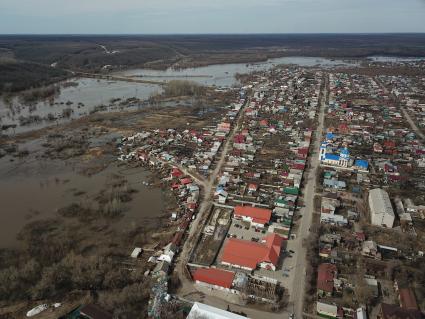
<point x="224" y="74"/>
<point x="89" y="94"/>
<point x="82" y="99"/>
<point x="393" y="59"/>
<point x="34" y="189"/>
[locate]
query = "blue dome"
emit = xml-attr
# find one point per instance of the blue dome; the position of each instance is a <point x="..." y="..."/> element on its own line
<point x="329" y="136"/>
<point x="345" y="153"/>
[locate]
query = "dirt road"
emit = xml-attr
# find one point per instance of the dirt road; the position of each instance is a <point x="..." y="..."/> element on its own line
<point x="403" y="110"/>
<point x="298" y="279"/>
<point x="412" y="124"/>
<point x="205" y="205"/>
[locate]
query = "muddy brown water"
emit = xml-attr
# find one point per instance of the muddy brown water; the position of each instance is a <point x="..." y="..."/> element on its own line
<point x="32" y="189"/>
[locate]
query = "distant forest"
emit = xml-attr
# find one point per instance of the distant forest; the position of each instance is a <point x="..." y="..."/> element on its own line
<point x="18" y="76"/>
<point x="93" y="53"/>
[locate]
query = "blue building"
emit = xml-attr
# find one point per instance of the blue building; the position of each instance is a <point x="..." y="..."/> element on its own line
<point x="343" y="159"/>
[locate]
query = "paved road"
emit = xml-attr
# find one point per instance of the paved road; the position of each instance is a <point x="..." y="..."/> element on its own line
<point x="298" y="284"/>
<point x="297" y="280"/>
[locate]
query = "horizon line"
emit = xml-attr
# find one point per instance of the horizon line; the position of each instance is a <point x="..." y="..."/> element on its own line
<point x="209" y="34"/>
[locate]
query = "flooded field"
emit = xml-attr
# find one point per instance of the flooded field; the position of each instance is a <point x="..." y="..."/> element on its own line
<point x="224" y="74"/>
<point x="393" y="59"/>
<point x="35" y="189"/>
<point x="82" y="98"/>
<point x="85" y="96"/>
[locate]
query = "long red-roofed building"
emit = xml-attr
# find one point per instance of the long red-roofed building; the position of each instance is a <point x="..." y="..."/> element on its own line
<point x="217" y="278"/>
<point x="255" y="215"/>
<point x="249" y="255"/>
<point x="326" y="273"/>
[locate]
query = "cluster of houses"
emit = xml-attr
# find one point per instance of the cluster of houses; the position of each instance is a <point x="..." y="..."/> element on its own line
<point x="369" y="155"/>
<point x="191" y="148"/>
<point x="187" y="191"/>
<point x="185" y="155"/>
<point x="260" y="183"/>
<point x="410" y="92"/>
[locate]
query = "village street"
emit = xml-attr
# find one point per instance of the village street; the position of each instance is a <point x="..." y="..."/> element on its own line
<point x="412" y="124"/>
<point x="205" y="205"/>
<point x="298" y="279"/>
<point x="403" y="110"/>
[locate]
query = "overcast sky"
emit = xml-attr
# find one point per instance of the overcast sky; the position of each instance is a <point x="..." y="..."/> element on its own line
<point x="213" y="16"/>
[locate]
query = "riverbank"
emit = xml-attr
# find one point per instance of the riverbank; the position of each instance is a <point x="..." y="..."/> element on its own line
<point x="74" y="216"/>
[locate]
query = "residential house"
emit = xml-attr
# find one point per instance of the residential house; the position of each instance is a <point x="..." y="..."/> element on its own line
<point x="387" y="311"/>
<point x="326" y="273"/>
<point x="258" y="217"/>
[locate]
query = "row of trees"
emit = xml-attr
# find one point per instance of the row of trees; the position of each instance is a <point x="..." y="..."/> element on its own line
<point x="73" y="272"/>
<point x="313" y="259"/>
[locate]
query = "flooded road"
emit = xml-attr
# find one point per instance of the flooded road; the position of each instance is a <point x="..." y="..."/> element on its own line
<point x="32" y="190"/>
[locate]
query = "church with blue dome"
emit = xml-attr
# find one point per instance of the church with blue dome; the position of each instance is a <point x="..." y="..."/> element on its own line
<point x="341" y="159"/>
<point x="328" y="155"/>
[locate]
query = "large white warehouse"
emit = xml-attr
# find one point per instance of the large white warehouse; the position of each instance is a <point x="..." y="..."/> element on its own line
<point x="381" y="210"/>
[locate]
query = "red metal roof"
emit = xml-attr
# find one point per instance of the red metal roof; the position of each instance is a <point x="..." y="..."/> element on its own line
<point x="264" y="123"/>
<point x="177" y="239"/>
<point x="407" y="299"/>
<point x="239" y="138"/>
<point x="186" y="180"/>
<point x="325" y="277"/>
<point x="176" y="172"/>
<point x="249" y="254"/>
<point x="213" y="276"/>
<point x="395" y="312"/>
<point x="258" y="215"/>
<point x="303" y="150"/>
<point x="298" y="166"/>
